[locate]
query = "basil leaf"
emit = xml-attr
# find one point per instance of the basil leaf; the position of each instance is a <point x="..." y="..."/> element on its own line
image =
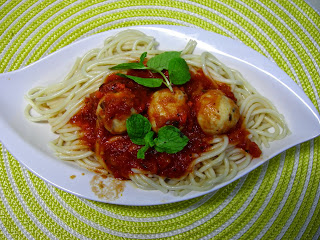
<point x="161" y="61"/>
<point x="142" y="151"/>
<point x="137" y="127"/>
<point x="170" y="140"/>
<point x="149" y="139"/>
<point x="178" y="71"/>
<point x="123" y="66"/>
<point x="147" y="82"/>
<point x="149" y="143"/>
<point x="142" y="57"/>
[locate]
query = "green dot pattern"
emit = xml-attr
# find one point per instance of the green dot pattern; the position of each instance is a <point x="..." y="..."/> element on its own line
<point x="279" y="200"/>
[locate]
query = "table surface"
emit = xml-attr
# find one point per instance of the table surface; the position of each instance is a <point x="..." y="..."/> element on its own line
<point x="279" y="200"/>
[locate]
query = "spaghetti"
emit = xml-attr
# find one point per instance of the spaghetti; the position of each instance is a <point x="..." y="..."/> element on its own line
<point x="64" y="104"/>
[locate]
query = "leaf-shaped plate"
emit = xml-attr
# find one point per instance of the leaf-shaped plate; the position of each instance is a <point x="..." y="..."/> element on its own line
<point x="27" y="141"/>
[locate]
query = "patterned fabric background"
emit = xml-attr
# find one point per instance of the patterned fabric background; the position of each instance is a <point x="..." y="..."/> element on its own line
<point x="278" y="200"/>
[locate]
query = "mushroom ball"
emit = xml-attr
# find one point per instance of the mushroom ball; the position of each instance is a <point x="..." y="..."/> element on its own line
<point x="114" y="108"/>
<point x="217" y="113"/>
<point x="168" y="108"/>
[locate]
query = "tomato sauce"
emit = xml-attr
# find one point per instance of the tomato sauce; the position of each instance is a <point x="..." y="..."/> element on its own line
<point x="120" y="154"/>
<point x="86" y="119"/>
<point x="239" y="137"/>
<point x="199" y="83"/>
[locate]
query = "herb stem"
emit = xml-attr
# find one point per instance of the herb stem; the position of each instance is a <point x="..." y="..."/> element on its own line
<point x="167" y="82"/>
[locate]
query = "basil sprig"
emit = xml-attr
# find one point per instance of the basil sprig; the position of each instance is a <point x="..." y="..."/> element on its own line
<point x="177" y="68"/>
<point x="170" y="139"/>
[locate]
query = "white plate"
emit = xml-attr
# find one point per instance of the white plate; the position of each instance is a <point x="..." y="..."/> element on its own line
<point x="27" y="141"/>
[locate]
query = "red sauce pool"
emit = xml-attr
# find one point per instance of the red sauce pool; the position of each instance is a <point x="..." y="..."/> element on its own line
<point x="120" y="154"/>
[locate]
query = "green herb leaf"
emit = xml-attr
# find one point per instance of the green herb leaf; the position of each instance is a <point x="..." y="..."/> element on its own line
<point x="137" y="127"/>
<point x="149" y="139"/>
<point x="147" y="82"/>
<point x="161" y="61"/>
<point x="142" y="57"/>
<point x="178" y="71"/>
<point x="170" y="140"/>
<point x="123" y="66"/>
<point x="171" y="61"/>
<point x="142" y="151"/>
<point x="149" y="143"/>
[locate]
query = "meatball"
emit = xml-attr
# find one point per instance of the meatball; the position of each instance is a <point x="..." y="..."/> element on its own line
<point x="114" y="108"/>
<point x="168" y="108"/>
<point x="217" y="113"/>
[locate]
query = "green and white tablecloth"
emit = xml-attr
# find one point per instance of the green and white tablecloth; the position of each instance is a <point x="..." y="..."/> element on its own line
<point x="278" y="200"/>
